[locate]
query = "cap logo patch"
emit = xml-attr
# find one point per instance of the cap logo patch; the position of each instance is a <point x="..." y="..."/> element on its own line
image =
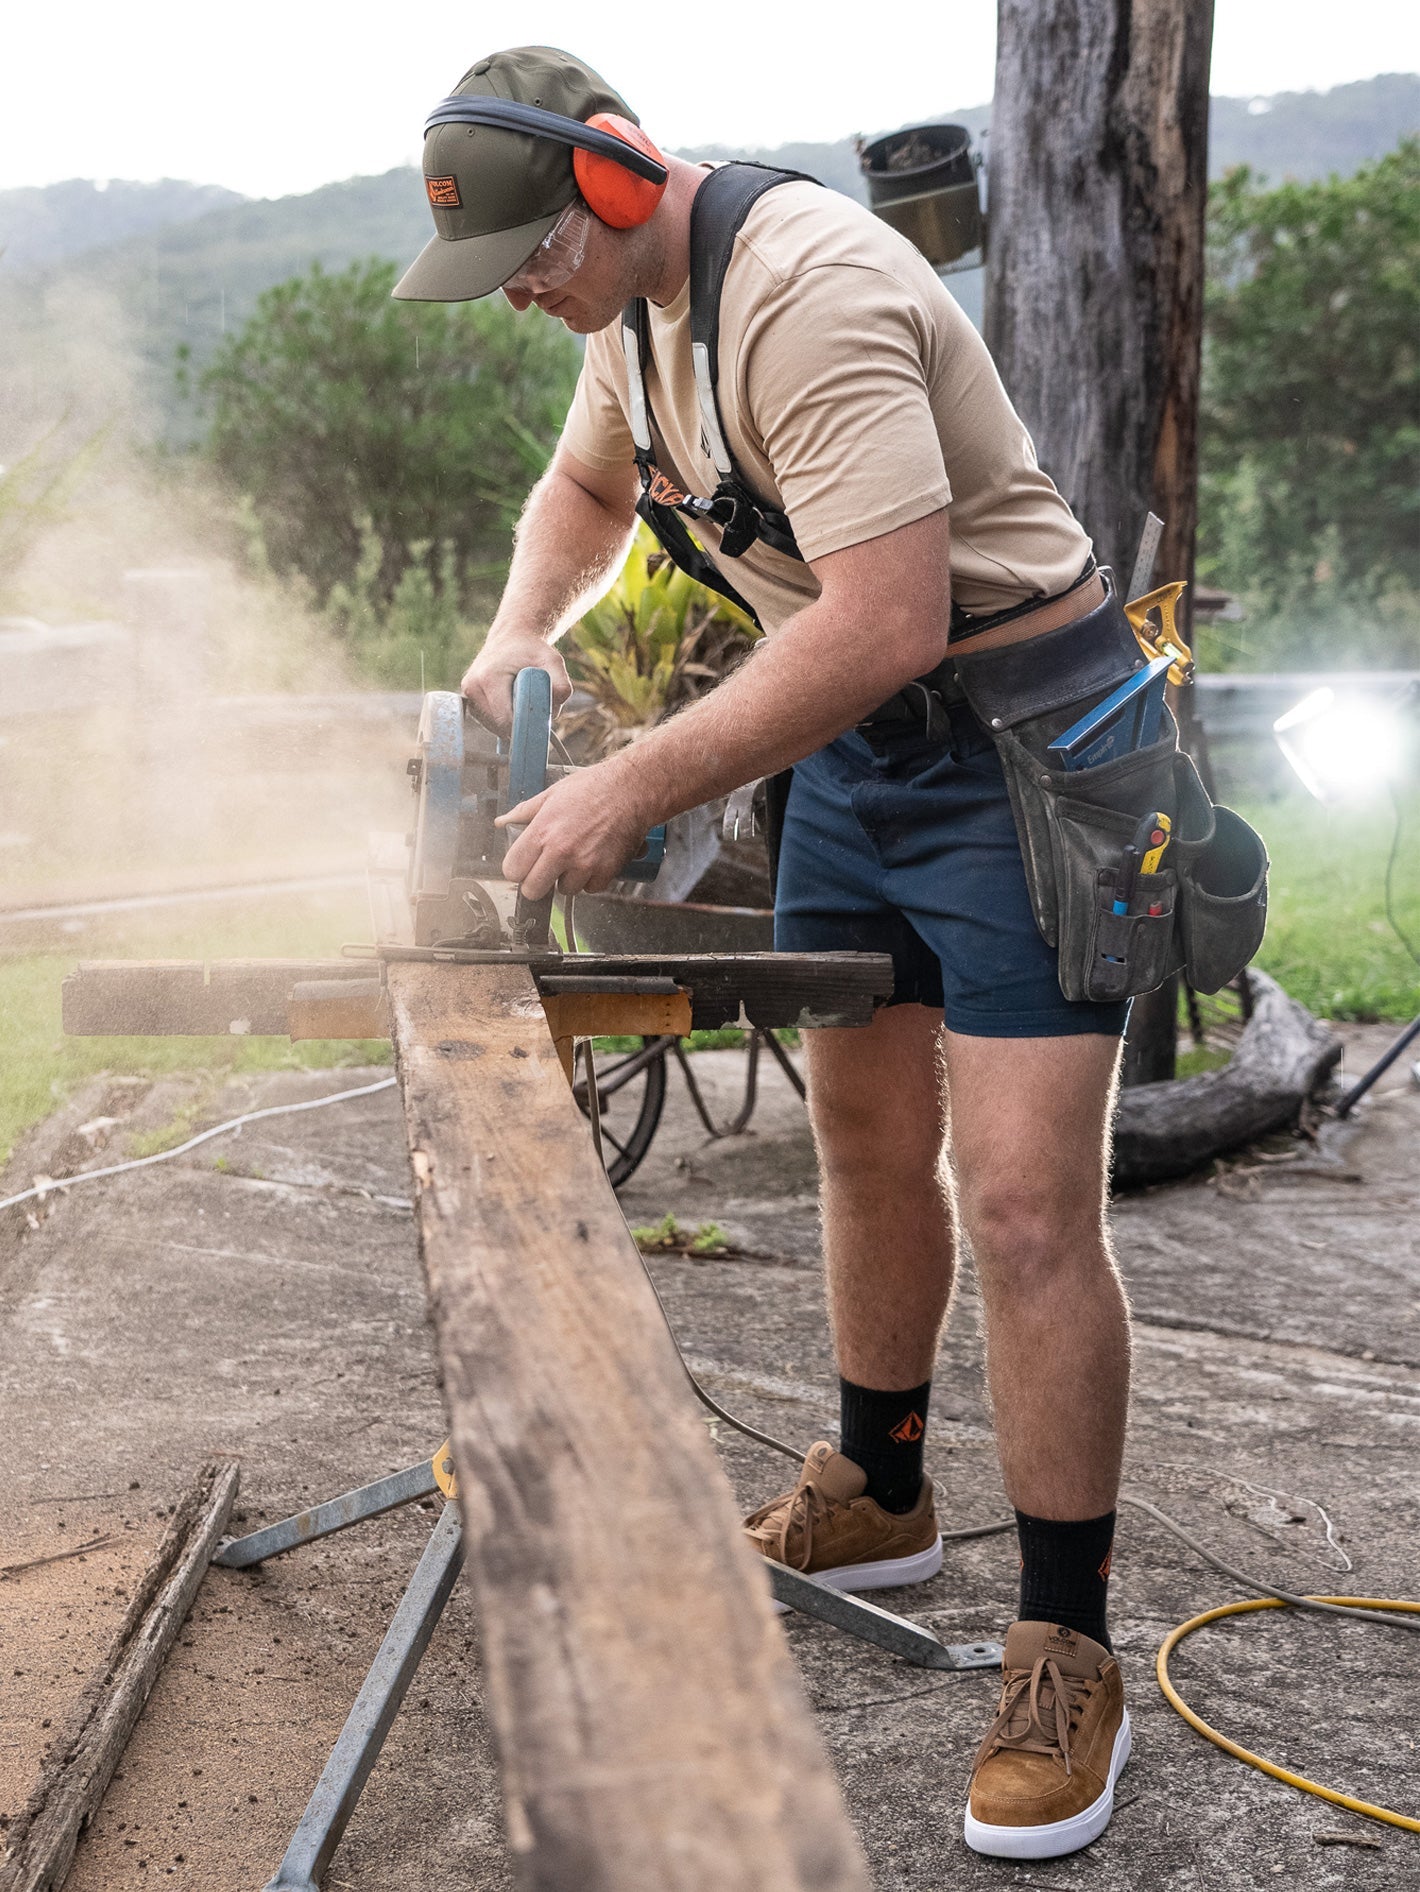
<point x="444" y="191"/>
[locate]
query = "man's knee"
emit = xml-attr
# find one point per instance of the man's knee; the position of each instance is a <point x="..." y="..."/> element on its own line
<point x="1023" y="1234"/>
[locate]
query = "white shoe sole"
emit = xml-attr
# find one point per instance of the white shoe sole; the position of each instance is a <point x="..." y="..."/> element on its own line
<point x="1060" y="1836"/>
<point x="885" y="1573"/>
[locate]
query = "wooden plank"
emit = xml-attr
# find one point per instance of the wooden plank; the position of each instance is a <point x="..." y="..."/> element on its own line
<point x="338" y="1008"/>
<point x="167" y="998"/>
<point x="140" y="998"/>
<point x="653" y="1733"/>
<point x="601" y="1014"/>
<point x="81" y="1761"/>
<point x="178" y="998"/>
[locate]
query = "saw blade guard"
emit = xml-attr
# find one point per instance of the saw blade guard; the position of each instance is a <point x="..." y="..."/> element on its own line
<point x="527" y="764"/>
<point x="437" y="773"/>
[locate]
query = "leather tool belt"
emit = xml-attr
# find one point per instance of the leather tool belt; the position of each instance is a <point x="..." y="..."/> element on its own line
<point x="1116" y="933"/>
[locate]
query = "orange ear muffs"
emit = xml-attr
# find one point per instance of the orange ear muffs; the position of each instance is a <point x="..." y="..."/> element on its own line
<point x="608" y="189"/>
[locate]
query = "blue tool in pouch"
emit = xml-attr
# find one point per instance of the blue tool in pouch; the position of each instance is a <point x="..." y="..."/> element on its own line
<point x="1129" y="718"/>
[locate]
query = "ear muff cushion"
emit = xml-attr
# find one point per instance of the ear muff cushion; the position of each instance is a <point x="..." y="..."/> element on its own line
<point x="609" y="190"/>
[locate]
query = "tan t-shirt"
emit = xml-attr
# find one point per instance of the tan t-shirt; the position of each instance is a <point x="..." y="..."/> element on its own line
<point x="855" y="395"/>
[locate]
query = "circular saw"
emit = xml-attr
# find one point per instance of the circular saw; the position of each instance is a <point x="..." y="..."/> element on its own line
<point x="464" y="777"/>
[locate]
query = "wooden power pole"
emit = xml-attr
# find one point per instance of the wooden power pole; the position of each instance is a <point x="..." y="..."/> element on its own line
<point x="1094" y="284"/>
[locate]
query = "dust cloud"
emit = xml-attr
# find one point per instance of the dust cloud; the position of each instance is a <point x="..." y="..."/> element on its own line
<point x="170" y="717"/>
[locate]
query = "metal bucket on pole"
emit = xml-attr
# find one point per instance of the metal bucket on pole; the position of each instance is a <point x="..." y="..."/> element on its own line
<point x="923" y="181"/>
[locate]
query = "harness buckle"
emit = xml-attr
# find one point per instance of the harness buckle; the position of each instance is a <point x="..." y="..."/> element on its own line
<point x="738" y="518"/>
<point x="937" y="723"/>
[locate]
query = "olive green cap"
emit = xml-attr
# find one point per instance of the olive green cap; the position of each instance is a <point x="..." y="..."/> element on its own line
<point x="496" y="193"/>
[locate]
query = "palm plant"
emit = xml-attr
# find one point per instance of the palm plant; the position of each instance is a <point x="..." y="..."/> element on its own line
<point x="655" y="642"/>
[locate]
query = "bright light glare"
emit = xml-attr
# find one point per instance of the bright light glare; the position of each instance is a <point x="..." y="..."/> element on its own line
<point x="1341" y="747"/>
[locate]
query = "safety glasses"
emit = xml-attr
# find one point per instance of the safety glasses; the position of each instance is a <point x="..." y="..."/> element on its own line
<point x="558" y="257"/>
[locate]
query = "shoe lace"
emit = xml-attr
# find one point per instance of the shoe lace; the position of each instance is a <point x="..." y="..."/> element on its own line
<point x="774" y="1522"/>
<point x="1028" y="1698"/>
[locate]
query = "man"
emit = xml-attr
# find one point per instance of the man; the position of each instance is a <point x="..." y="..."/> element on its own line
<point x="856" y="397"/>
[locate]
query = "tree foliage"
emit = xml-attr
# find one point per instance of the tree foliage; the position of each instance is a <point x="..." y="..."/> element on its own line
<point x="1311" y="386"/>
<point x="366" y="431"/>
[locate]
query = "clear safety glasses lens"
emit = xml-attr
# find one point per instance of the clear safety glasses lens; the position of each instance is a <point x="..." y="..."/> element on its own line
<point x="558" y="257"/>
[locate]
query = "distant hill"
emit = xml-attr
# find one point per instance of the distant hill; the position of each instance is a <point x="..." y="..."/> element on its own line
<point x="1306" y="135"/>
<point x="185" y="263"/>
<point x="45" y="225"/>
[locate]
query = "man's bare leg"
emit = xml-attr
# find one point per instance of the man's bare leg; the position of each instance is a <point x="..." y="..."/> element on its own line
<point x="1030" y="1123"/>
<point x="878" y="1112"/>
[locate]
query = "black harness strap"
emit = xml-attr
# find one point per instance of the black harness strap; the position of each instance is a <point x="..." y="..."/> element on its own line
<point x="721" y="205"/>
<point x="717" y="214"/>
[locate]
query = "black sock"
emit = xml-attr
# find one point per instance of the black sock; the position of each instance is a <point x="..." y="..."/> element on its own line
<point x="883" y="1432"/>
<point x="1065" y="1572"/>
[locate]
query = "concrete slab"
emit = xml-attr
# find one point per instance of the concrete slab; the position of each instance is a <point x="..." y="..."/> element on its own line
<point x="272" y="1306"/>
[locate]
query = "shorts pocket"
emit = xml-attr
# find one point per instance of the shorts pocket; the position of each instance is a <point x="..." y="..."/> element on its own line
<point x="1223" y="902"/>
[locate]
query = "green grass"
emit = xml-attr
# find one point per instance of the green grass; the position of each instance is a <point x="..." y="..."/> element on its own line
<point x="1328" y="942"/>
<point x="39" y="1066"/>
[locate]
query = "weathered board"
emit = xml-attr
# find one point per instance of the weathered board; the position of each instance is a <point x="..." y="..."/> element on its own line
<point x="652" y="1730"/>
<point x="253" y="997"/>
<point x="158" y="998"/>
<point x="81" y="1759"/>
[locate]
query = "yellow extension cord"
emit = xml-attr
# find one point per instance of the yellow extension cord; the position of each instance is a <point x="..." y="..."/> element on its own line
<point x="1175" y="1700"/>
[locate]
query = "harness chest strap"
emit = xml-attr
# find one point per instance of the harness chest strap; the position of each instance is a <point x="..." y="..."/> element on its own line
<point x="720" y="207"/>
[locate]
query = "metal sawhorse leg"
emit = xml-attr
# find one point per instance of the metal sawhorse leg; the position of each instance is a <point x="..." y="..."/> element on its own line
<point x="354" y="1755"/>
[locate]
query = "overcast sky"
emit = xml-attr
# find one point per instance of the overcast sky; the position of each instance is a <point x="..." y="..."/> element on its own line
<point x="274" y="96"/>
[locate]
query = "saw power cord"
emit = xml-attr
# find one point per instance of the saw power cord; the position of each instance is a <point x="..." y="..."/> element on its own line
<point x="59" y="1184"/>
<point x="1362" y="1608"/>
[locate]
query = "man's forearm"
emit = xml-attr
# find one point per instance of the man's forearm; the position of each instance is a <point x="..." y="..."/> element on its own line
<point x="567" y="550"/>
<point x="818" y="676"/>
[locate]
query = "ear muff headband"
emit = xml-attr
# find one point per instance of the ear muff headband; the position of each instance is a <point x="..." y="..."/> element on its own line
<point x="510" y="115"/>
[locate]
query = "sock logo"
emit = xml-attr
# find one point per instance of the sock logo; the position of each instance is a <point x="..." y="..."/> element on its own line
<point x="1106" y="1566"/>
<point x="908" y="1431"/>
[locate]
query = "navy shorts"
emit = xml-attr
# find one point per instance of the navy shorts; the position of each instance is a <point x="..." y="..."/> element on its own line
<point x="907" y="847"/>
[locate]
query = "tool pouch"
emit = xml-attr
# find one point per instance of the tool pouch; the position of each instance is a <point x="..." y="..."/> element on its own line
<point x="1074" y="824"/>
<point x="1223" y="912"/>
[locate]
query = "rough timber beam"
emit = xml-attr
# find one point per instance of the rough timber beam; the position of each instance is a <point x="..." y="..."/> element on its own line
<point x="653" y="1733"/>
<point x="268" y="997"/>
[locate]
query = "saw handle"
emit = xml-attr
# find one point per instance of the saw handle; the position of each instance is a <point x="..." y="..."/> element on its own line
<point x="527" y="764"/>
<point x="530" y="738"/>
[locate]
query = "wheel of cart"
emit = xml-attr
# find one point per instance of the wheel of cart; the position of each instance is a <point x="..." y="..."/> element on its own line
<point x="631" y="1084"/>
<point x="631" y="1094"/>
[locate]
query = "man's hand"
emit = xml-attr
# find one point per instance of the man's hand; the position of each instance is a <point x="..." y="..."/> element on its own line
<point x="579" y="834"/>
<point x="488" y="681"/>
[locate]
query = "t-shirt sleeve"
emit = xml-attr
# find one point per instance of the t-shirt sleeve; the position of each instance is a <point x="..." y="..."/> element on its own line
<point x="597" y="430"/>
<point x="833" y="381"/>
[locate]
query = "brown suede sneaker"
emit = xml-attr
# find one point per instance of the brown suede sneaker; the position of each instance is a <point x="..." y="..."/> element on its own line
<point x="829" y="1530"/>
<point x="1044" y="1778"/>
